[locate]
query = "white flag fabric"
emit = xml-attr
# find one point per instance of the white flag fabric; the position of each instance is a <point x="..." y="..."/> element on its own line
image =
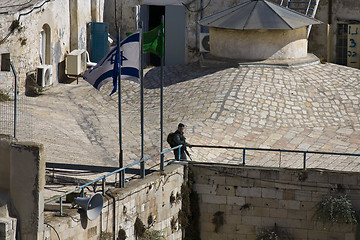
<point x="108" y="67"/>
<point x="130" y="57"/>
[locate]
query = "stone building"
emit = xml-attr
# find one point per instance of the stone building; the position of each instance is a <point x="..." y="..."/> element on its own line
<point x="328" y="40"/>
<point x="258" y="30"/>
<point x="35" y="33"/>
<point x="41" y="33"/>
<point x="335" y="39"/>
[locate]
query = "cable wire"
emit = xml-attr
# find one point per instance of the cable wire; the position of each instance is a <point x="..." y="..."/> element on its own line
<point x="16" y="5"/>
<point x="198" y="10"/>
<point x="20" y="15"/>
<point x="57" y="234"/>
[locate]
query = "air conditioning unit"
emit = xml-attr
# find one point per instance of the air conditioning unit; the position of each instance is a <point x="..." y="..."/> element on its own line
<point x="44" y="75"/>
<point x="75" y="63"/>
<point x="204" y="44"/>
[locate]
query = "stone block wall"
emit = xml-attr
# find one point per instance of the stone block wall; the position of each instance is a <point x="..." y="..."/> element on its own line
<point x="244" y="200"/>
<point x="148" y="199"/>
<point x="22" y="181"/>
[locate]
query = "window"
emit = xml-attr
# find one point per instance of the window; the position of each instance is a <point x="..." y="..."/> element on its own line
<point x="45" y="45"/>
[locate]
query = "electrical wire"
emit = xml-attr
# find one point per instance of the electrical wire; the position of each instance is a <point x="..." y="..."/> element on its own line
<point x="24" y="14"/>
<point x="198" y="10"/>
<point x="20" y="15"/>
<point x="16" y="5"/>
<point x="57" y="234"/>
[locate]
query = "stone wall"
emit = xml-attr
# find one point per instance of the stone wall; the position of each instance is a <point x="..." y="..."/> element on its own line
<point x="321" y="36"/>
<point x="66" y="21"/>
<point x="249" y="199"/>
<point x="5" y="143"/>
<point x="151" y="200"/>
<point x="322" y="39"/>
<point x="22" y="178"/>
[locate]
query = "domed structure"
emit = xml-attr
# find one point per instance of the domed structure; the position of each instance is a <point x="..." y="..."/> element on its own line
<point x="258" y="30"/>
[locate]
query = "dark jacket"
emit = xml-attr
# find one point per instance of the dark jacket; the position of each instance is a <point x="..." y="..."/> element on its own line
<point x="179" y="138"/>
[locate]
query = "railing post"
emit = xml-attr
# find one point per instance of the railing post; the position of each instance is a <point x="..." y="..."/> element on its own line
<point x="82" y="192"/>
<point x="244" y="156"/>
<point x="103" y="185"/>
<point x="61" y="206"/>
<point x="142" y="168"/>
<point x="161" y="161"/>
<point x="179" y="153"/>
<point x="122" y="180"/>
<point x="304" y="165"/>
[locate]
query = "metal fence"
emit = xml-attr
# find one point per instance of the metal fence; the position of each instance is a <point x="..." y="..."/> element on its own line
<point x="305" y="154"/>
<point x="121" y="171"/>
<point x="15" y="117"/>
<point x="142" y="172"/>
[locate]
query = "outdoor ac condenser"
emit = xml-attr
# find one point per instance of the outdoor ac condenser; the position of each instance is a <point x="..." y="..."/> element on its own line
<point x="75" y="63"/>
<point x="44" y="75"/>
<point x="204" y="45"/>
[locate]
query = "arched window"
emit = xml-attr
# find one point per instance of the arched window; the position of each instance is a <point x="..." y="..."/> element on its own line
<point x="45" y="40"/>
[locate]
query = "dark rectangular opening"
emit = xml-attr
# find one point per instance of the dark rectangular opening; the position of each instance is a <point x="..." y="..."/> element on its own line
<point x="5" y="62"/>
<point x="155" y="13"/>
<point x="341" y="44"/>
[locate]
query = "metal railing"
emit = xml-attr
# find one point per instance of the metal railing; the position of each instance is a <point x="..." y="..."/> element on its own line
<point x="103" y="178"/>
<point x="305" y="153"/>
<point x="162" y="165"/>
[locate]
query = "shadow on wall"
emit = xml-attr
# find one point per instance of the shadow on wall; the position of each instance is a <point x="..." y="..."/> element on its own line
<point x="63" y="78"/>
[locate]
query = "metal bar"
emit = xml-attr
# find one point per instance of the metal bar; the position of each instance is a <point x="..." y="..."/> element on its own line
<point x="279" y="150"/>
<point x="162" y="105"/>
<point x="162" y="162"/>
<point x="15" y="97"/>
<point x="308" y="6"/>
<point x="96" y="180"/>
<point x="244" y="157"/>
<point x="123" y="179"/>
<point x="61" y="207"/>
<point x="142" y="163"/>
<point x="171" y="149"/>
<point x="202" y="146"/>
<point x="103" y="185"/>
<point x="142" y="168"/>
<point x="121" y="154"/>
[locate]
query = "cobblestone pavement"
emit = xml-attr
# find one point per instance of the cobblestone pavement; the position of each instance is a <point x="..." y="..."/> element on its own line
<point x="313" y="108"/>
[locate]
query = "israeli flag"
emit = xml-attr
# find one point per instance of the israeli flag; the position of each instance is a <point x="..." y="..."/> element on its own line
<point x="108" y="67"/>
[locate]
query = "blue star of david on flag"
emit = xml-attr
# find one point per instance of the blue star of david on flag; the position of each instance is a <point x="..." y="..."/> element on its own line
<point x="108" y="67"/>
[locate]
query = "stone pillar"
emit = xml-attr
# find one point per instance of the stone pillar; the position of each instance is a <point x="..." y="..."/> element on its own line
<point x="5" y="143"/>
<point x="7" y="228"/>
<point x="27" y="181"/>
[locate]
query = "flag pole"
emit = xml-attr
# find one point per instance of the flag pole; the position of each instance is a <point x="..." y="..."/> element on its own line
<point x="142" y="163"/>
<point x="121" y="162"/>
<point x="162" y="101"/>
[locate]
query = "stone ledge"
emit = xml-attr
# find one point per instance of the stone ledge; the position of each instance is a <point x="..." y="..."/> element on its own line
<point x="208" y="60"/>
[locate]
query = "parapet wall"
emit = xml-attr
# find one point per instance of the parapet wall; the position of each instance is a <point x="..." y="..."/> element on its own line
<point x="154" y="200"/>
<point x="22" y="181"/>
<point x="237" y="202"/>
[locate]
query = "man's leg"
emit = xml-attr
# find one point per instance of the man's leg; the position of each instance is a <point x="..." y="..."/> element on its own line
<point x="183" y="155"/>
<point x="176" y="154"/>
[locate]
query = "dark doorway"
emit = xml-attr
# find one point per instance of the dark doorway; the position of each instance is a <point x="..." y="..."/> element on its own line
<point x="155" y="13"/>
